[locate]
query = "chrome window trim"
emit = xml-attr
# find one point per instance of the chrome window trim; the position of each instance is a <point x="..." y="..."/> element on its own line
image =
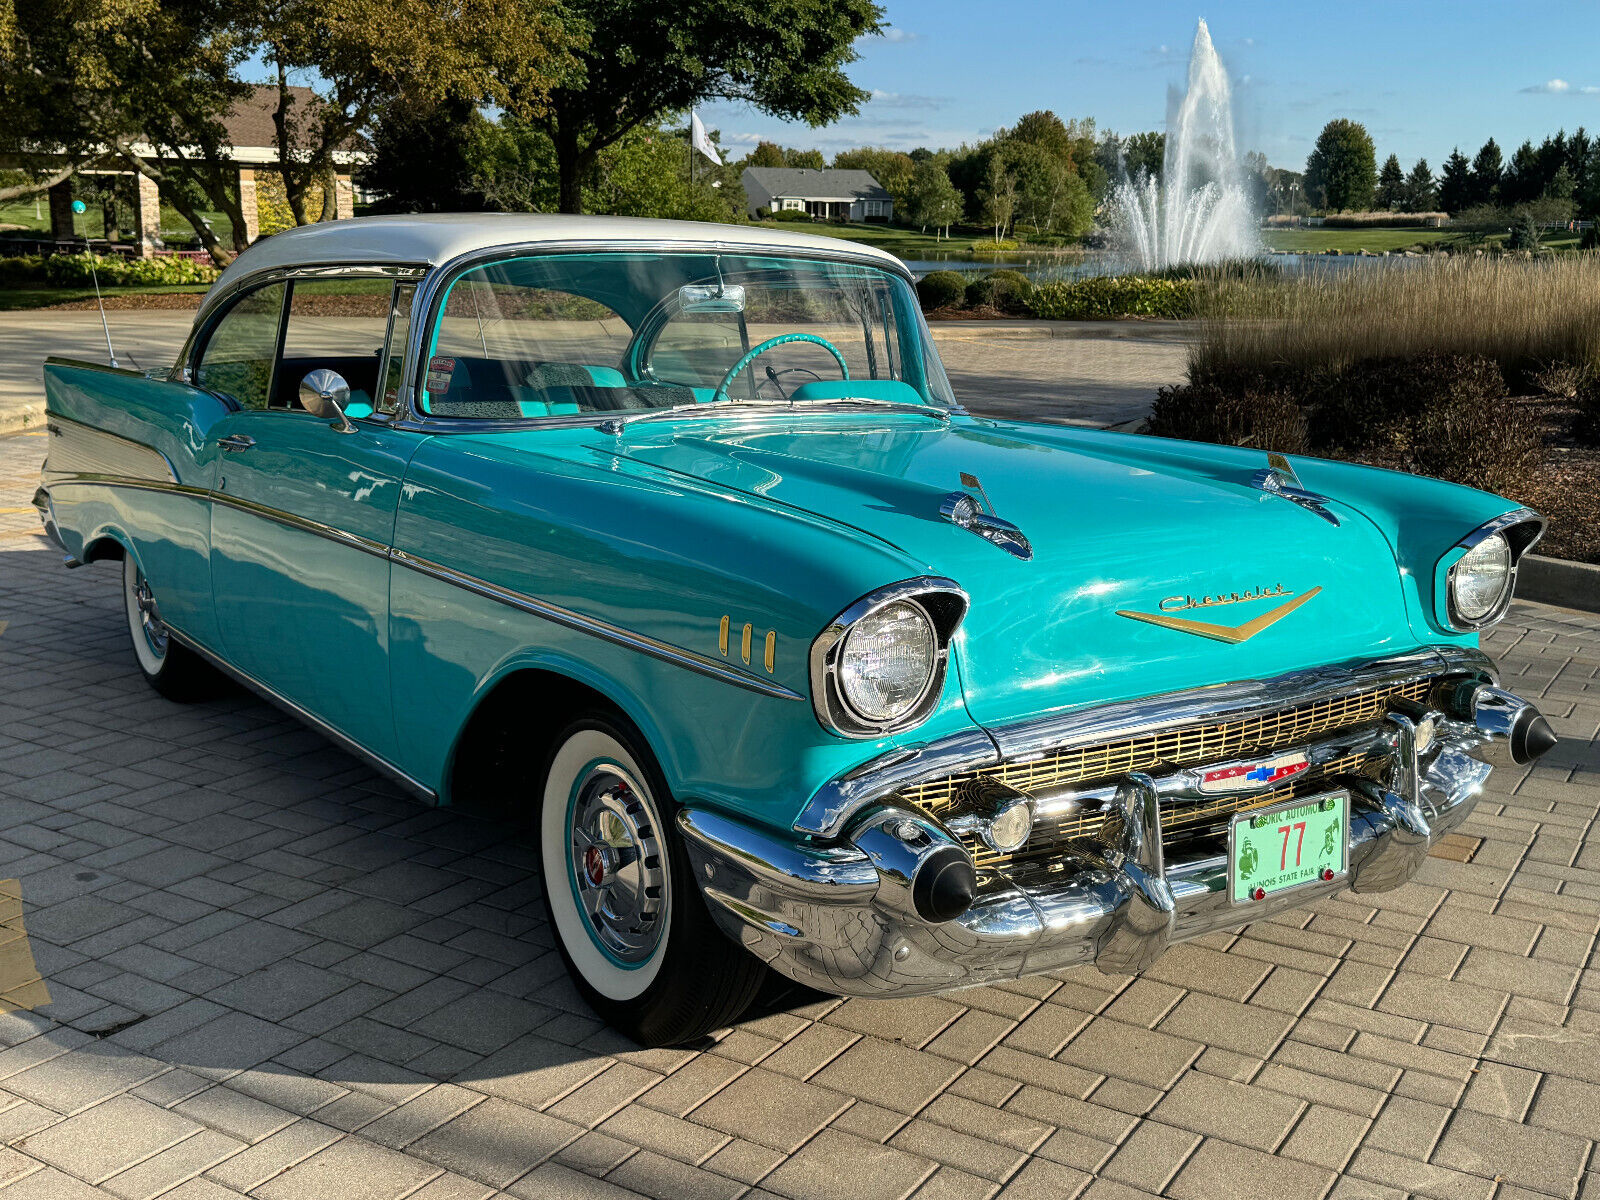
<point x="213" y="302"/>
<point x="1505" y="523"/>
<point x="582" y="623"/>
<point x="432" y="287"/>
<point x="827" y="697"/>
<point x="830" y="809"/>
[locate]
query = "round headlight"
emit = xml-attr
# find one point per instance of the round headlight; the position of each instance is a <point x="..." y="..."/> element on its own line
<point x="887" y="661"/>
<point x="1479" y="580"/>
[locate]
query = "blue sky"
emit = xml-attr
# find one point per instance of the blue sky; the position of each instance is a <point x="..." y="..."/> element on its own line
<point x="1422" y="77"/>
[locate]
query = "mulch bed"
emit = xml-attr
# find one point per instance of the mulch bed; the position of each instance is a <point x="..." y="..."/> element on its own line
<point x="1566" y="489"/>
<point x="176" y="300"/>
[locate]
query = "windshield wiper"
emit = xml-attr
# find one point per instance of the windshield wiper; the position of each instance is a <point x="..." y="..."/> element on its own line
<point x="615" y="425"/>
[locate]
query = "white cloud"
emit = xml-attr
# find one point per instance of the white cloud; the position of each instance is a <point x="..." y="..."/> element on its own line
<point x="1553" y="86"/>
<point x="893" y="33"/>
<point x="883" y="99"/>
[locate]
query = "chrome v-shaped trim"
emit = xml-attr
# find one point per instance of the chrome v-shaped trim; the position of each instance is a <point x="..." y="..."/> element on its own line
<point x="1278" y="478"/>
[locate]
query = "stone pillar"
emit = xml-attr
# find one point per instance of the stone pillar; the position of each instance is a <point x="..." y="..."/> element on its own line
<point x="61" y="227"/>
<point x="247" y="204"/>
<point x="147" y="216"/>
<point x="344" y="198"/>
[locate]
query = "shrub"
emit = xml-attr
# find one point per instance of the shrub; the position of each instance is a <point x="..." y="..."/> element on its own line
<point x="1524" y="234"/>
<point x="1559" y="380"/>
<point x="941" y="289"/>
<point x="1120" y="296"/>
<point x="791" y="214"/>
<point x="1008" y="291"/>
<point x="1492" y="445"/>
<point x="1378" y="400"/>
<point x="1590" y="239"/>
<point x="1385" y="220"/>
<point x="1586" y="426"/>
<point x="80" y="270"/>
<point x="1260" y="415"/>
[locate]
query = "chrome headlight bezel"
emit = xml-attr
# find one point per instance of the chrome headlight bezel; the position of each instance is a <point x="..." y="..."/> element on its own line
<point x="1520" y="530"/>
<point x="940" y="600"/>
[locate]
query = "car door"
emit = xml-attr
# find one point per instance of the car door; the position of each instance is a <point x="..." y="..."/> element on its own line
<point x="303" y="511"/>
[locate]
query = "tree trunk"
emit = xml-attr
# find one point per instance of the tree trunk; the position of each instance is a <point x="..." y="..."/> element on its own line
<point x="568" y="167"/>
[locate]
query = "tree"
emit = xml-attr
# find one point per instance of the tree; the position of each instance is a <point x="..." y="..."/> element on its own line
<point x="766" y="154"/>
<point x="425" y="157"/>
<point x="1391" y="184"/>
<point x="999" y="195"/>
<point x="1455" y="183"/>
<point x="364" y="55"/>
<point x="1144" y="154"/>
<point x="1418" y="194"/>
<point x="1522" y="181"/>
<point x="932" y="199"/>
<point x="641" y="59"/>
<point x="1486" y="172"/>
<point x="811" y="159"/>
<point x="1341" y="172"/>
<point x="891" y="168"/>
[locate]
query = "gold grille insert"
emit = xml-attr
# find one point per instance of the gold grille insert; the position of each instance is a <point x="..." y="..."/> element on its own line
<point x="1171" y="748"/>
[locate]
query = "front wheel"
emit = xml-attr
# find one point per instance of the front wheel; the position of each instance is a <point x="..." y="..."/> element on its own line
<point x="629" y="920"/>
<point x="175" y="671"/>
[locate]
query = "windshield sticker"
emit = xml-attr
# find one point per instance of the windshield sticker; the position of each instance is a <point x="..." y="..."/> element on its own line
<point x="440" y="369"/>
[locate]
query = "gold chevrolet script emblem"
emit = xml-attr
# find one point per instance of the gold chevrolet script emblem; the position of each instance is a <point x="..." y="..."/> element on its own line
<point x="1232" y="634"/>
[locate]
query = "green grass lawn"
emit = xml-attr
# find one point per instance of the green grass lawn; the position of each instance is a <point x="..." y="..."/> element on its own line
<point x="92" y="223"/>
<point x="13" y="298"/>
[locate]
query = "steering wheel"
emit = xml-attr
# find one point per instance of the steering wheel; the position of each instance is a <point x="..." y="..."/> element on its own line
<point x="771" y="343"/>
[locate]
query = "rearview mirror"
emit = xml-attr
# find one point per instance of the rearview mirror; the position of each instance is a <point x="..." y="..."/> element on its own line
<point x="324" y="393"/>
<point x="711" y="297"/>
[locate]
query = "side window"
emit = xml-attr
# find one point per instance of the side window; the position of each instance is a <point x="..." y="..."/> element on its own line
<point x="238" y="357"/>
<point x="394" y="355"/>
<point x="337" y="325"/>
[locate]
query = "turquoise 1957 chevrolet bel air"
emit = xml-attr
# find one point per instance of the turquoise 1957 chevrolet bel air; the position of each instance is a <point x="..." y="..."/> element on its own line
<point x="673" y="540"/>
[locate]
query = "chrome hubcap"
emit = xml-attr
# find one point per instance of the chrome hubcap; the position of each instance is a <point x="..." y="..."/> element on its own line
<point x="155" y="630"/>
<point x="617" y="867"/>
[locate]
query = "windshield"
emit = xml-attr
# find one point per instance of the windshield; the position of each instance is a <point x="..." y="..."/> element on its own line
<point x="628" y="332"/>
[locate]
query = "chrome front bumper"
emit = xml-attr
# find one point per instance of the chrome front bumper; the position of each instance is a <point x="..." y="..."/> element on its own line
<point x="837" y="914"/>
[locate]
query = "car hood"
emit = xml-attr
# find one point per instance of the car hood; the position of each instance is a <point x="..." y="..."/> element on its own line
<point x="1118" y="525"/>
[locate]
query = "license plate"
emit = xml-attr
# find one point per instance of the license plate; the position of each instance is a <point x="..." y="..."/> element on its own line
<point x="1303" y="841"/>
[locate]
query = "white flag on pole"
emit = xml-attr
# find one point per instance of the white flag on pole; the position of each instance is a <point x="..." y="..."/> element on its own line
<point x="701" y="140"/>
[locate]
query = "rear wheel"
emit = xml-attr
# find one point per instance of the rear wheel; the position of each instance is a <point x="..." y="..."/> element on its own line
<point x="175" y="671"/>
<point x="629" y="920"/>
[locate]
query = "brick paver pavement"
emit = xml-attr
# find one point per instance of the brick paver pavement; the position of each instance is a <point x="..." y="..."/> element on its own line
<point x="241" y="963"/>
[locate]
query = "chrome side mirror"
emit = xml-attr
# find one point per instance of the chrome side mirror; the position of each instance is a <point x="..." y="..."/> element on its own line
<point x="324" y="393"/>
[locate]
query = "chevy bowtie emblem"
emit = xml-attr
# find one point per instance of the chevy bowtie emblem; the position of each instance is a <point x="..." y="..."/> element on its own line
<point x="1244" y="777"/>
<point x="1232" y="634"/>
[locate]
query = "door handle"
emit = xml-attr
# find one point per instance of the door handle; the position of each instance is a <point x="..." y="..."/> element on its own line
<point x="235" y="442"/>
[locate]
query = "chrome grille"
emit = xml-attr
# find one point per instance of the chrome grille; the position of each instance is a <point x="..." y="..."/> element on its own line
<point x="1194" y="745"/>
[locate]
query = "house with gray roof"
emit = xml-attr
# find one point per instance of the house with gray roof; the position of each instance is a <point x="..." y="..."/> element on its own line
<point x="826" y="195"/>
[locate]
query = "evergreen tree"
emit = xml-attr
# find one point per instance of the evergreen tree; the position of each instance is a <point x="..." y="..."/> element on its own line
<point x="1391" y="185"/>
<point x="1455" y="183"/>
<point x="1486" y="171"/>
<point x="1419" y="192"/>
<point x="1522" y="181"/>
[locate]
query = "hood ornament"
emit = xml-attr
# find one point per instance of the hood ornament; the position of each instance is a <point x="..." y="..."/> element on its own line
<point x="961" y="508"/>
<point x="1279" y="479"/>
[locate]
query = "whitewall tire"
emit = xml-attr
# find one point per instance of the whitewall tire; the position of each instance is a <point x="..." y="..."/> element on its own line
<point x="627" y="915"/>
<point x="175" y="671"/>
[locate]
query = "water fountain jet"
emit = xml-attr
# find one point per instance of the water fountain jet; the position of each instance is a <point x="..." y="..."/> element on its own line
<point x="1199" y="211"/>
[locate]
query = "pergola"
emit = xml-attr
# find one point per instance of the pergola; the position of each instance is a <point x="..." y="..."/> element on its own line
<point x="252" y="147"/>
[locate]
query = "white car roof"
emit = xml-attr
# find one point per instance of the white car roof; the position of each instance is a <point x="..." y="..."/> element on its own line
<point x="435" y="238"/>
